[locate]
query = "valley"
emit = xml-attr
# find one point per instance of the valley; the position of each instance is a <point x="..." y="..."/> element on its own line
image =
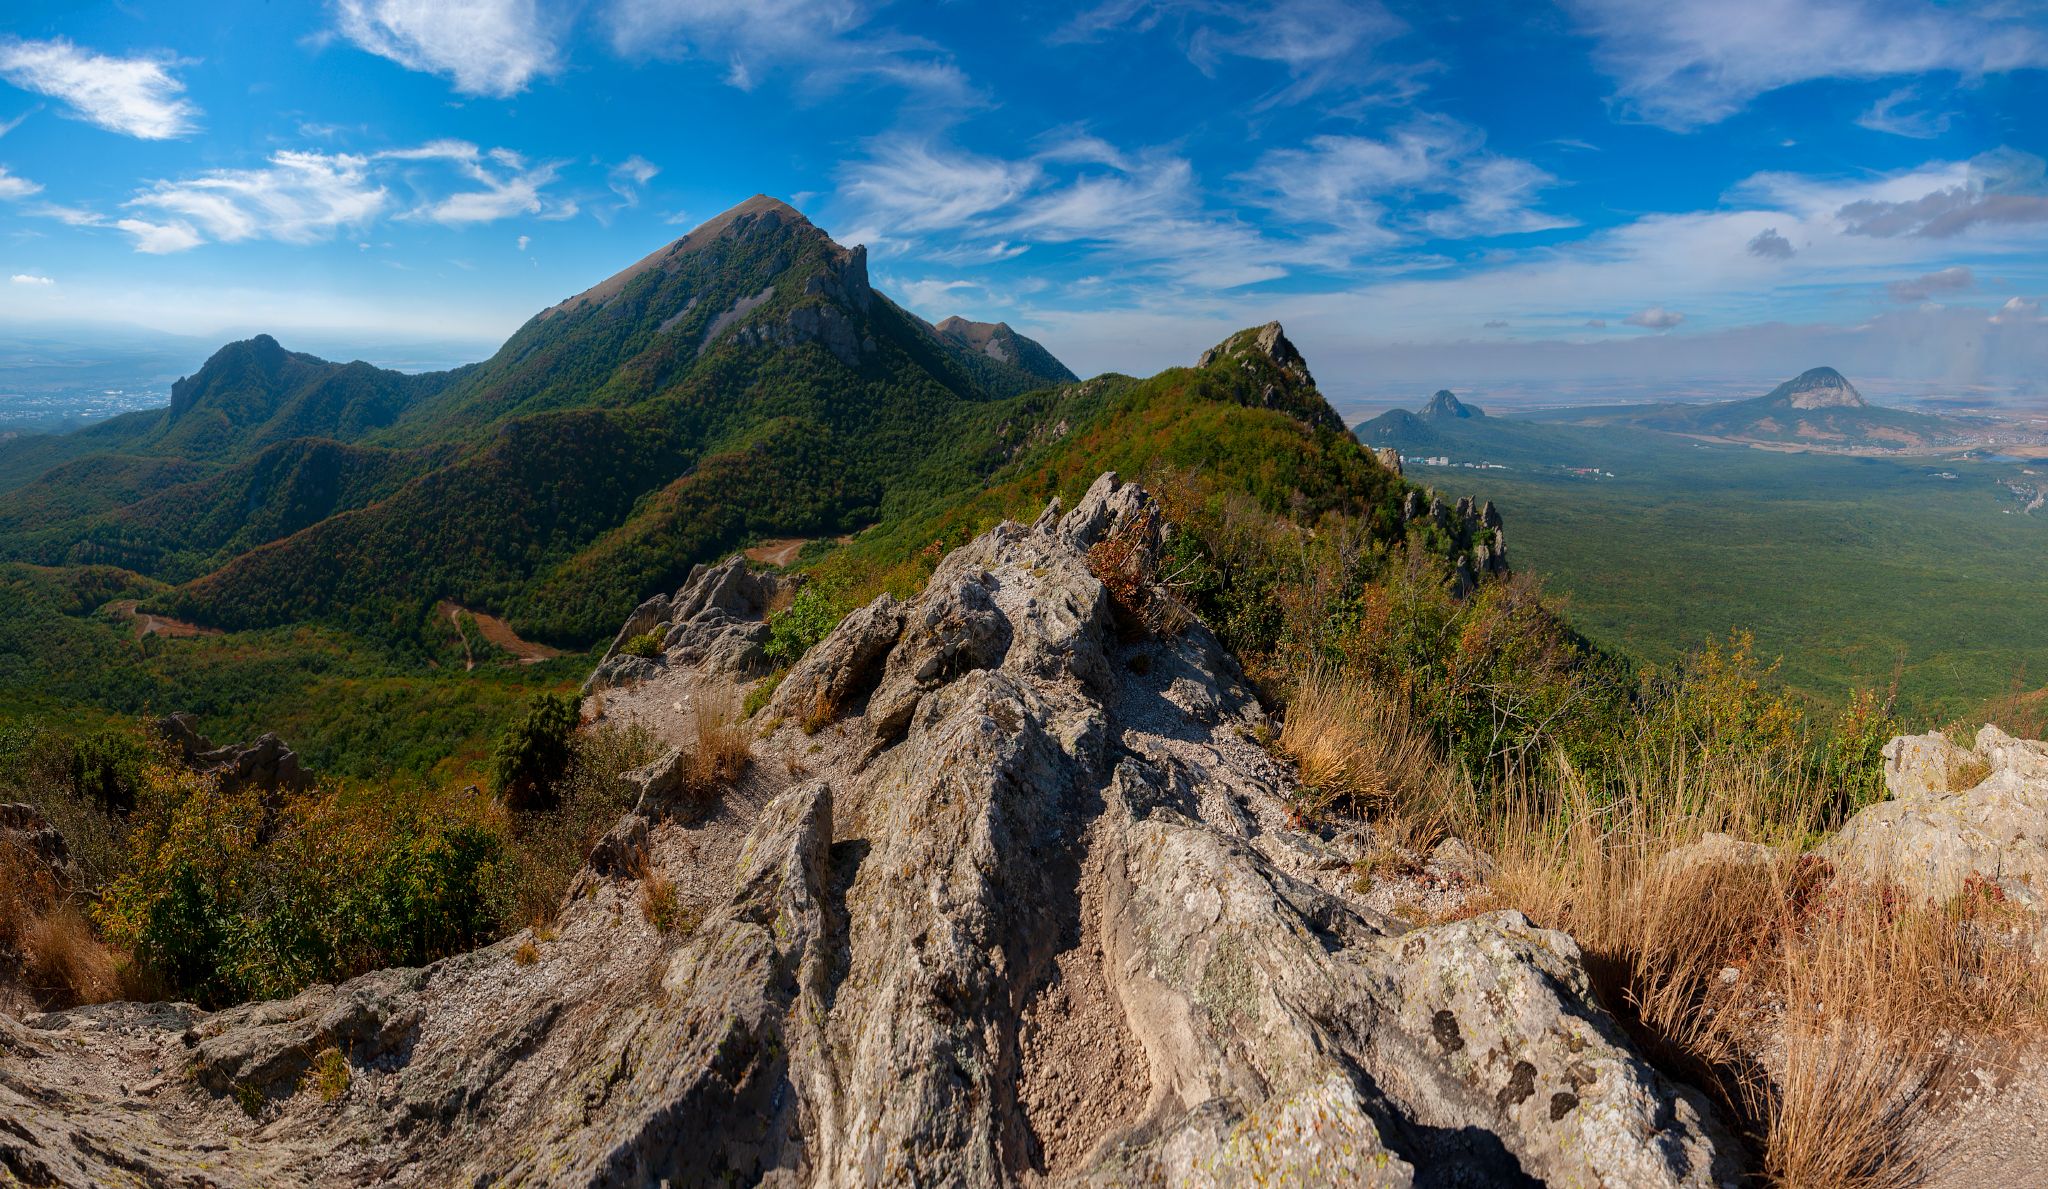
<point x="1860" y="571"/>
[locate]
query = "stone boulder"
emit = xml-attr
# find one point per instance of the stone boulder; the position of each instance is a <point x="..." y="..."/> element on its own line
<point x="1956" y="815"/>
<point x="266" y="764"/>
<point x="714" y="622"/>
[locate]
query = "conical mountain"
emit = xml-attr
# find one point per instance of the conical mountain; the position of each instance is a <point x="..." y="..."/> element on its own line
<point x="1445" y="405"/>
<point x="1817" y="388"/>
<point x="745" y="378"/>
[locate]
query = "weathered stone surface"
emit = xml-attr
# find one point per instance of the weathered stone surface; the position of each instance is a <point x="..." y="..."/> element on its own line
<point x="844" y="666"/>
<point x="1955" y="815"/>
<point x="26" y="829"/>
<point x="715" y="622"/>
<point x="266" y="764"/>
<point x="1007" y="894"/>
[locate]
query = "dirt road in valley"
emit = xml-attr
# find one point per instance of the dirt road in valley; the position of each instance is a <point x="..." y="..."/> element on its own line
<point x="498" y="634"/>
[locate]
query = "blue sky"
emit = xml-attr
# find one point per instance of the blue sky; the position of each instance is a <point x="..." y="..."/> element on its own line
<point x="1475" y="194"/>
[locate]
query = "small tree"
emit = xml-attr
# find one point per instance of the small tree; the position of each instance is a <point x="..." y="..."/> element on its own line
<point x="534" y="753"/>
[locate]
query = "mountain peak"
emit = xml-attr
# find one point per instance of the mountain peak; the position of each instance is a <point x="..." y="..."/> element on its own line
<point x="1445" y="405"/>
<point x="761" y="214"/>
<point x="1000" y="342"/>
<point x="1818" y="388"/>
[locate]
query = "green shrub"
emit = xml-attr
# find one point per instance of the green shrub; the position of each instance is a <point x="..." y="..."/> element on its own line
<point x="534" y="753"/>
<point x="646" y="645"/>
<point x="762" y="693"/>
<point x="227" y="899"/>
<point x="809" y="618"/>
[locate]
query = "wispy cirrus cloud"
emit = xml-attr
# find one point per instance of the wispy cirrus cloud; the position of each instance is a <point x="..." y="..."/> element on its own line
<point x="1321" y="207"/>
<point x="1325" y="46"/>
<point x="306" y="197"/>
<point x="1431" y="177"/>
<point x="1903" y="113"/>
<point x="494" y="48"/>
<point x="505" y="184"/>
<point x="826" y="43"/>
<point x="133" y="96"/>
<point x="1687" y="63"/>
<point x="297" y="198"/>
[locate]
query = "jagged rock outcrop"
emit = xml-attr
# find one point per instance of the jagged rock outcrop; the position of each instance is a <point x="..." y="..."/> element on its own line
<point x="1284" y="382"/>
<point x="25" y="829"/>
<point x="1476" y="533"/>
<point x="1009" y="894"/>
<point x="714" y="621"/>
<point x="266" y="764"/>
<point x="1955" y="814"/>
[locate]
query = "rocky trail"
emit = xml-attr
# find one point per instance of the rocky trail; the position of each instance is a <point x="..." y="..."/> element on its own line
<point x="1007" y="896"/>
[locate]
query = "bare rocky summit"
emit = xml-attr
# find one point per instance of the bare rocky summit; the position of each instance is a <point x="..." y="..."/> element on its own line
<point x="1008" y="896"/>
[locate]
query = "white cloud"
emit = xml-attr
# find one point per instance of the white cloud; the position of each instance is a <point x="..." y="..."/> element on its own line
<point x="2017" y="311"/>
<point x="829" y="42"/>
<point x="2003" y="186"/>
<point x="14" y="187"/>
<point x="485" y="47"/>
<point x="1435" y="169"/>
<point x="510" y="186"/>
<point x="1684" y="63"/>
<point x="303" y="197"/>
<point x="299" y="198"/>
<point x="1145" y="215"/>
<point x="1954" y="279"/>
<point x="523" y="241"/>
<point x="1655" y="318"/>
<point x="22" y="278"/>
<point x="159" y="239"/>
<point x="628" y="176"/>
<point x="135" y="96"/>
<point x="911" y="185"/>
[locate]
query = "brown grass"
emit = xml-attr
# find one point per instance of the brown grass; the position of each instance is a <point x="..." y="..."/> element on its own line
<point x="1359" y="751"/>
<point x="720" y="753"/>
<point x="45" y="938"/>
<point x="1821" y="1010"/>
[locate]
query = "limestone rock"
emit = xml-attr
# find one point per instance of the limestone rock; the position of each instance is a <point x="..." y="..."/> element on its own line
<point x="1954" y="815"/>
<point x="266" y="764"/>
<point x="715" y="622"/>
<point x="24" y="828"/>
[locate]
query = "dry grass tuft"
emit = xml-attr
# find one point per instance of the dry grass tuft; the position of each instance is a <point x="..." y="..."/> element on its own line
<point x="330" y="1075"/>
<point x="721" y="752"/>
<point x="1358" y="750"/>
<point x="527" y="954"/>
<point x="45" y="938"/>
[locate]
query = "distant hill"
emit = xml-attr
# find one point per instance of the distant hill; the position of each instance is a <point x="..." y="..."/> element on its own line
<point x="1019" y="362"/>
<point x="742" y="380"/>
<point x="1818" y="408"/>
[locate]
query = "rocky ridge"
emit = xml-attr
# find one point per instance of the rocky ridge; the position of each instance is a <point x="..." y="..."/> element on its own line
<point x="1008" y="895"/>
